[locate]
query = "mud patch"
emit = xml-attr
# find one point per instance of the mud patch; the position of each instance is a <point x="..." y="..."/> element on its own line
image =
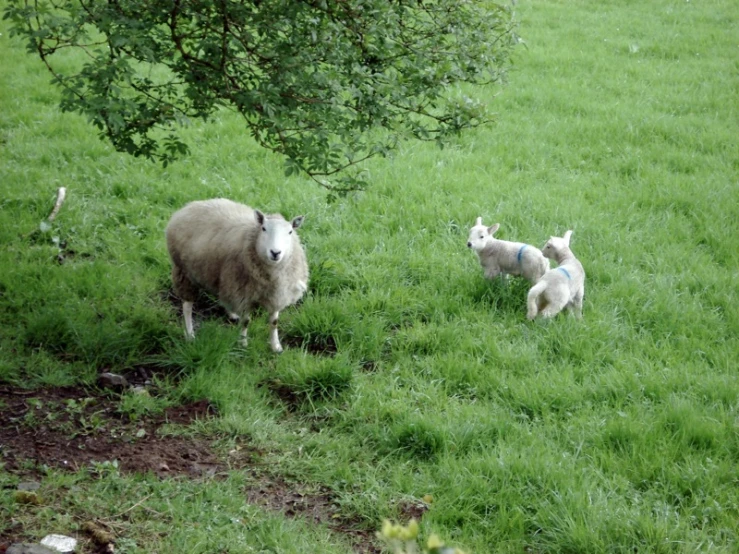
<point x="317" y="506"/>
<point x="75" y="428"/>
<point x="71" y="428"/>
<point x="319" y="345"/>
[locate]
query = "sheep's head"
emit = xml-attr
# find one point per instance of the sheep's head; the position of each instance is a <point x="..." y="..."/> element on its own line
<point x="556" y="246"/>
<point x="480" y="235"/>
<point x="274" y="239"/>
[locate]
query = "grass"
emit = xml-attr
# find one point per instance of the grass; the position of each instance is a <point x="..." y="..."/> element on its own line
<point x="614" y="434"/>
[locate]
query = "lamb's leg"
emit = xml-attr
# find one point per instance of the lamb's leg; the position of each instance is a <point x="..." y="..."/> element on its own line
<point x="557" y="296"/>
<point x="576" y="306"/>
<point x="187" y="313"/>
<point x="533" y="302"/>
<point x="491" y="272"/>
<point x="553" y="308"/>
<point x="274" y="339"/>
<point x="245" y="327"/>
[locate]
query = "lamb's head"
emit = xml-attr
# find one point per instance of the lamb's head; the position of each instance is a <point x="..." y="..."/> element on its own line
<point x="274" y="239"/>
<point x="557" y="247"/>
<point x="480" y="235"/>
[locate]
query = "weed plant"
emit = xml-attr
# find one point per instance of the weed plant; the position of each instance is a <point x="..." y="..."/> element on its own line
<point x="406" y="373"/>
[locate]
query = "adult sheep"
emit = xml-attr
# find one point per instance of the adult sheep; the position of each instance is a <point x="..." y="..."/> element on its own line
<point x="245" y="258"/>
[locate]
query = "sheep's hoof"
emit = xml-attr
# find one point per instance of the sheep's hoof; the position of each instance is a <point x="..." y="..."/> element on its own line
<point x="277" y="350"/>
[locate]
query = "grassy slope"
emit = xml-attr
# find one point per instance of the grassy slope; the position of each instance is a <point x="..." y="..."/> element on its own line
<point x="614" y="433"/>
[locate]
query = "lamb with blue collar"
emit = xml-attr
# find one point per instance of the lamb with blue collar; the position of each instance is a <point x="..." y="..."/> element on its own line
<point x="504" y="257"/>
<point x="561" y="287"/>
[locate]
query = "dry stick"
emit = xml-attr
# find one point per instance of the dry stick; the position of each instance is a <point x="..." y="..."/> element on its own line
<point x="60" y="195"/>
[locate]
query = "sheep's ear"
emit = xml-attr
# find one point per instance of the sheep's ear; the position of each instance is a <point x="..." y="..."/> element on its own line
<point x="567" y="236"/>
<point x="259" y="216"/>
<point x="298" y="221"/>
<point x="493" y="228"/>
<point x="478" y="221"/>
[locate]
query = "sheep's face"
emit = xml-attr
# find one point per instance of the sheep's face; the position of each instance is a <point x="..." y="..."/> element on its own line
<point x="275" y="237"/>
<point x="556" y="245"/>
<point x="480" y="235"/>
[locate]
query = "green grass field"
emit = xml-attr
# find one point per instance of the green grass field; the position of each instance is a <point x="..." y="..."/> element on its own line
<point x="618" y="433"/>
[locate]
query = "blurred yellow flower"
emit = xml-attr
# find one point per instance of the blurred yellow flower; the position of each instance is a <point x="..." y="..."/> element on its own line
<point x="412" y="530"/>
<point x="434" y="542"/>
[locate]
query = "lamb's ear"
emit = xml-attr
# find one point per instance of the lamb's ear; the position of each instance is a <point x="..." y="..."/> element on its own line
<point x="478" y="221"/>
<point x="298" y="221"/>
<point x="259" y="216"/>
<point x="567" y="236"/>
<point x="493" y="228"/>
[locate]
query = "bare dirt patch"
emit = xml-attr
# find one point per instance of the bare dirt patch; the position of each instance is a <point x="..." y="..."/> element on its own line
<point x="73" y="427"/>
<point x="317" y="506"/>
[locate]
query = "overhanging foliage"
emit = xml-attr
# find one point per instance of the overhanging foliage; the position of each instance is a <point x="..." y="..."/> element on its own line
<point x="325" y="83"/>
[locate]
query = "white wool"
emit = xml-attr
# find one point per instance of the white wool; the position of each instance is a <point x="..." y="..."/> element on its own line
<point x="561" y="287"/>
<point x="504" y="257"/>
<point x="243" y="257"/>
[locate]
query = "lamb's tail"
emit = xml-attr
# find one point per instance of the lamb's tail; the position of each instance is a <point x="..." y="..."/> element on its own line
<point x="532" y="300"/>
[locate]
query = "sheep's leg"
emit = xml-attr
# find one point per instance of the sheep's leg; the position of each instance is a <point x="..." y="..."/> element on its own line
<point x="552" y="309"/>
<point x="576" y="306"/>
<point x="491" y="273"/>
<point x="534" y="300"/>
<point x="274" y="339"/>
<point x="187" y="292"/>
<point x="187" y="313"/>
<point x="244" y="329"/>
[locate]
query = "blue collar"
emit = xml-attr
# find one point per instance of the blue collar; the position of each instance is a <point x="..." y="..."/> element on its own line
<point x="563" y="270"/>
<point x="520" y="252"/>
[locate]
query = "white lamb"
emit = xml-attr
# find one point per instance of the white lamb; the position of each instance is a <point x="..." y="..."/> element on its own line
<point x="243" y="257"/>
<point x="563" y="286"/>
<point x="504" y="257"/>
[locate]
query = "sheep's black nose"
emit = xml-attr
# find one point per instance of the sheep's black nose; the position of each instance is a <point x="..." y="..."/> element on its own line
<point x="469" y="245"/>
<point x="275" y="254"/>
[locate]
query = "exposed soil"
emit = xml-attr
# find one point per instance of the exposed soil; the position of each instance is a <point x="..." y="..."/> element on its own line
<point x="72" y="428"/>
<point x="317" y="506"/>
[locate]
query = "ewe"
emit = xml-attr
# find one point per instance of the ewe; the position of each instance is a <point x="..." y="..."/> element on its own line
<point x="500" y="256"/>
<point x="243" y="257"/>
<point x="563" y="286"/>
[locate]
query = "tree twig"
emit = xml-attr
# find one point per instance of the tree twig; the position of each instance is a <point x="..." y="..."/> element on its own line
<point x="60" y="195"/>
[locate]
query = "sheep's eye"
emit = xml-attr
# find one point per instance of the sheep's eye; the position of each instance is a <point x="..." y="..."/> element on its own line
<point x="482" y="236"/>
<point x="291" y="232"/>
<point x="264" y="229"/>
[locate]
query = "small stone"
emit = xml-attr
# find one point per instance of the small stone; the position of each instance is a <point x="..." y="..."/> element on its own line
<point x="112" y="381"/>
<point x="29" y="486"/>
<point x="140" y="390"/>
<point x="60" y="543"/>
